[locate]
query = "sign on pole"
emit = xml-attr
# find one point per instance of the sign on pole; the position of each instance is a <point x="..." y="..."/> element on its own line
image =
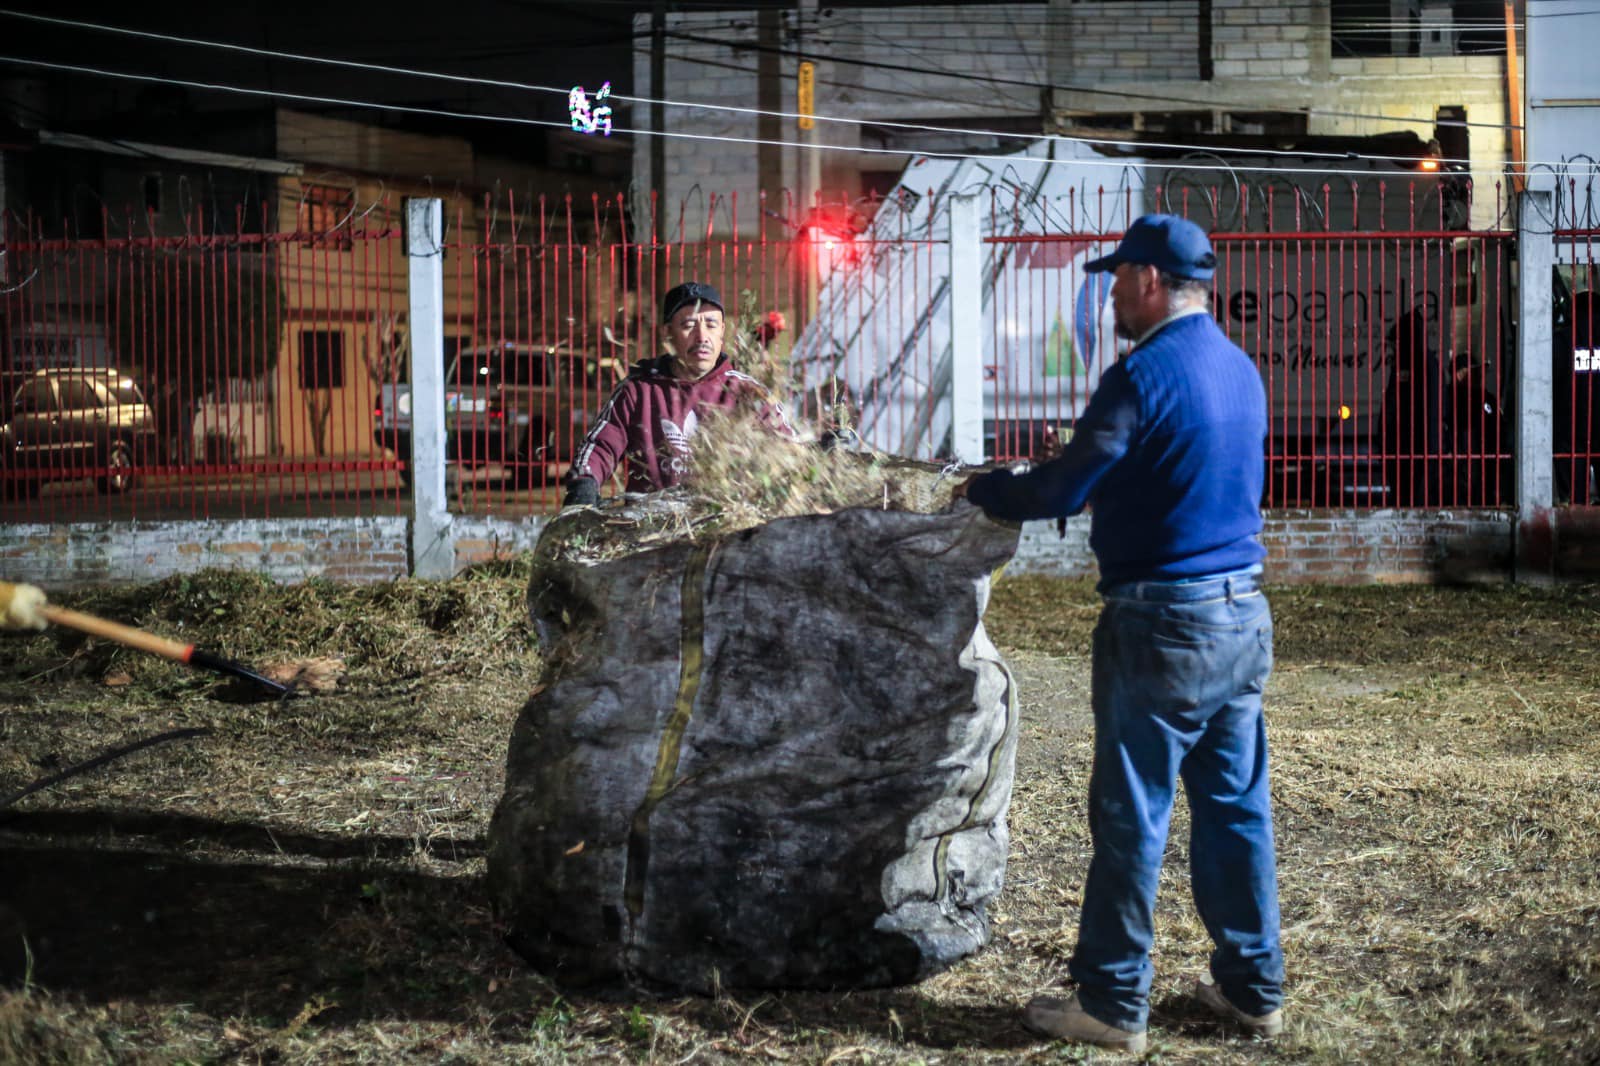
<point x="808" y="77"/>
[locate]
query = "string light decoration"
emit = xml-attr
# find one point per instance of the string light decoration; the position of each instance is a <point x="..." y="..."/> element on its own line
<point x="587" y="116"/>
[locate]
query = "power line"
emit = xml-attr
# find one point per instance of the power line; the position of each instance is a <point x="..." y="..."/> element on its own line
<point x="736" y="45"/>
<point x="829" y="119"/>
<point x="269" y="53"/>
<point x="1126" y="144"/>
<point x="716" y="138"/>
<point x="456" y="78"/>
<point x="867" y="36"/>
<point x="73" y="68"/>
<point x="1039" y="136"/>
<point x="1207" y="104"/>
<point x="720" y="65"/>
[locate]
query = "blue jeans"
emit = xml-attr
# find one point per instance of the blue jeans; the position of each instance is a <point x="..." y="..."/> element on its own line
<point x="1178" y="673"/>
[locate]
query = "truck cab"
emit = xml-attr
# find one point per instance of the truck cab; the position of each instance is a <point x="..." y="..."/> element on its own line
<point x="513" y="411"/>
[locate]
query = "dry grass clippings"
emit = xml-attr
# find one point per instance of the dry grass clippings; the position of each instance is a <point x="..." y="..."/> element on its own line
<point x="742" y="475"/>
<point x="304" y="885"/>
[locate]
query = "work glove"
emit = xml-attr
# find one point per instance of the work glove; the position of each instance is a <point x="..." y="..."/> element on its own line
<point x="582" y="492"/>
<point x="20" y="607"/>
<point x="839" y="438"/>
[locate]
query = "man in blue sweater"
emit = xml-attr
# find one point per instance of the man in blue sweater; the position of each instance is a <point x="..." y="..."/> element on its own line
<point x="1170" y="452"/>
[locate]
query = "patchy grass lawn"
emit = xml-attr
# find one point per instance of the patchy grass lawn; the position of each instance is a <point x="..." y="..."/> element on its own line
<point x="303" y="884"/>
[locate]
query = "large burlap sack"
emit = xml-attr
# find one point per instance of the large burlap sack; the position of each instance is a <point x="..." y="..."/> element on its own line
<point x="781" y="758"/>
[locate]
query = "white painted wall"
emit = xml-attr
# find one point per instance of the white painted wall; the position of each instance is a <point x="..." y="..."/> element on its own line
<point x="1563" y="109"/>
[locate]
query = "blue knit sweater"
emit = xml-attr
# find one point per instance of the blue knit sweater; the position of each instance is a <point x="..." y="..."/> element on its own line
<point x="1170" y="451"/>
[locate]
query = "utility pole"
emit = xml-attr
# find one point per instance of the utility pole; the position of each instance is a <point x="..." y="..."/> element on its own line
<point x="770" y="97"/>
<point x="1514" y="116"/>
<point x="658" y="142"/>
<point x="810" y="163"/>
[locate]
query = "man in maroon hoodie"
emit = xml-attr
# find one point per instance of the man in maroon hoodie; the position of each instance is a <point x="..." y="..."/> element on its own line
<point x="651" y="416"/>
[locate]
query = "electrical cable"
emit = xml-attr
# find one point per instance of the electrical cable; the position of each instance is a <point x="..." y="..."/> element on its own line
<point x="923" y="127"/>
<point x="674" y="135"/>
<point x="736" y="45"/>
<point x="98" y="761"/>
<point x="1040" y="136"/>
<point x="1207" y="104"/>
<point x="920" y="127"/>
<point x="884" y="124"/>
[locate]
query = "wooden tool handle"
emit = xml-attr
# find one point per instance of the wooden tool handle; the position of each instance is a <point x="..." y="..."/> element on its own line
<point x="133" y="638"/>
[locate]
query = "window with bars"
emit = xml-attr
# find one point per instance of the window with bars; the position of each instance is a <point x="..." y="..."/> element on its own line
<point x="322" y="359"/>
<point x="326" y="211"/>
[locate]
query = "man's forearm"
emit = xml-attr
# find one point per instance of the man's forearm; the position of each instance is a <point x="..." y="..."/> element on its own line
<point x="1061" y="486"/>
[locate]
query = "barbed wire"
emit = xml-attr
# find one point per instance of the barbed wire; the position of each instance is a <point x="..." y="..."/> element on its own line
<point x="1217" y="200"/>
<point x="23" y="284"/>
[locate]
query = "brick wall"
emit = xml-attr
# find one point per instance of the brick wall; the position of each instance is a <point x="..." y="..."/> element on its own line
<point x="1302" y="546"/>
<point x="1122" y="42"/>
<point x="354" y="550"/>
<point x="1276" y="54"/>
<point x="1336" y="548"/>
<point x="1251" y="39"/>
<point x="1270" y="53"/>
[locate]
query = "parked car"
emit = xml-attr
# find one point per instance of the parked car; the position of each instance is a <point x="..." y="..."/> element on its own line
<point x="74" y="423"/>
<point x="511" y="411"/>
<point x="232" y="423"/>
<point x="1328" y="461"/>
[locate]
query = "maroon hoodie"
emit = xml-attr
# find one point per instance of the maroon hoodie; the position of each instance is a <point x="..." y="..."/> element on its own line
<point x="650" y="417"/>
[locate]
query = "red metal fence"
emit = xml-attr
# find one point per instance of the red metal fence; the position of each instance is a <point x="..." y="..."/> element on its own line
<point x="197" y="376"/>
<point x="1575" y="372"/>
<point x="535" y="304"/>
<point x="273" y="367"/>
<point x="1382" y="354"/>
<point x="1379" y="322"/>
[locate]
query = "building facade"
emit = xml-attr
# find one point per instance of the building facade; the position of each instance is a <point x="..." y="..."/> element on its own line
<point x="1142" y="70"/>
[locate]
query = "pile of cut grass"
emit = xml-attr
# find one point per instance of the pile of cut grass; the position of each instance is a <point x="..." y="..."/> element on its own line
<point x="742" y="475"/>
<point x="1434" y="786"/>
<point x="382" y="632"/>
<point x="35" y="1029"/>
<point x="745" y="475"/>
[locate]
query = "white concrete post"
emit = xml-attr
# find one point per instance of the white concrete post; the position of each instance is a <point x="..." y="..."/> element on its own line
<point x="810" y="159"/>
<point x="966" y="330"/>
<point x="433" y="552"/>
<point x="5" y="259"/>
<point x="1535" y="477"/>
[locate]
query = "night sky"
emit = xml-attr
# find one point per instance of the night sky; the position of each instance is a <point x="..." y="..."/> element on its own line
<point x="556" y="44"/>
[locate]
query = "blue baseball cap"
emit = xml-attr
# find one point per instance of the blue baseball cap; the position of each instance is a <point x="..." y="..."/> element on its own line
<point x="690" y="292"/>
<point x="1167" y="242"/>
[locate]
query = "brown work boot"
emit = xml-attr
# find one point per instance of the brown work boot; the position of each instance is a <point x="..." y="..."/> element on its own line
<point x="1063" y="1018"/>
<point x="1266" y="1026"/>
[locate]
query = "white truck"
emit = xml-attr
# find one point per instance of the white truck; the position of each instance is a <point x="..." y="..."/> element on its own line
<point x="513" y="411"/>
<point x="1296" y="287"/>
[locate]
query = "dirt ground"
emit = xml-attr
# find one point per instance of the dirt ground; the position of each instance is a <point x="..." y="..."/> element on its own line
<point x="303" y="883"/>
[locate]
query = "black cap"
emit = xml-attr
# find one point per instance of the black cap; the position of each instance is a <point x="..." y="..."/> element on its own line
<point x="689" y="292"/>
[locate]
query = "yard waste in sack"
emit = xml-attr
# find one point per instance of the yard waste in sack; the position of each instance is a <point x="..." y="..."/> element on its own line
<point x="774" y="757"/>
